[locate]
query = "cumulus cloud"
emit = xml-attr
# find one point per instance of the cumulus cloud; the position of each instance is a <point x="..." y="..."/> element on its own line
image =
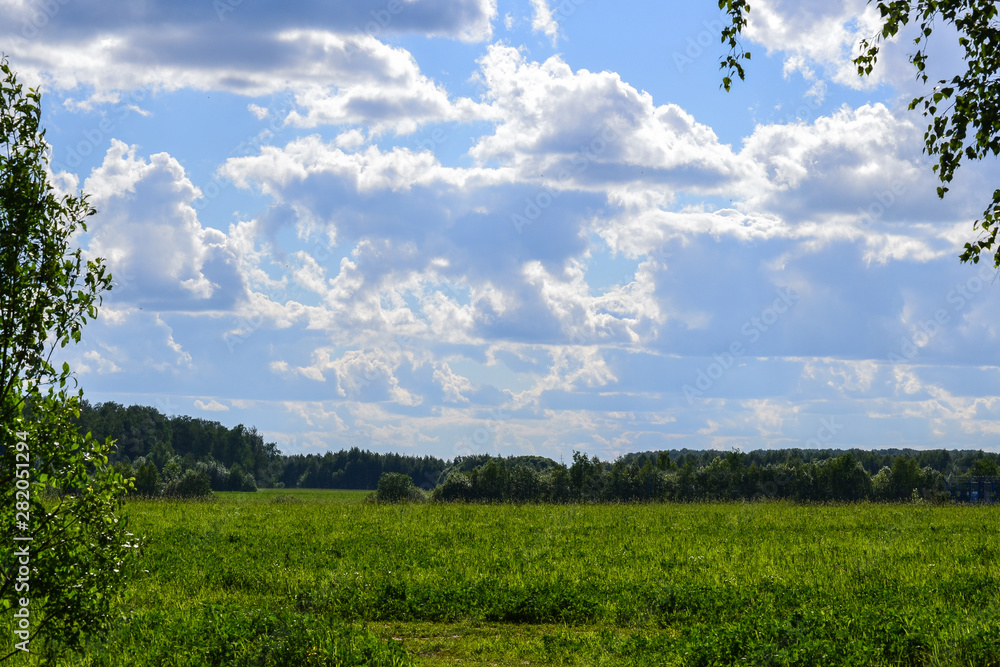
<point x="149" y="233"/>
<point x="453" y="385"/>
<point x="406" y="230"/>
<point x="211" y="406"/>
<point x="592" y="130"/>
<point x="359" y="375"/>
<point x="543" y="21"/>
<point x="259" y="112"/>
<point x="332" y="58"/>
<point x="96" y="362"/>
<point x="825" y="36"/>
<point x="391" y="95"/>
<point x="812" y="33"/>
<point x="594" y="252"/>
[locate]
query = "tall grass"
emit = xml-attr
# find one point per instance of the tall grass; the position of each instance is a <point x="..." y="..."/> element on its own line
<point x="253" y="579"/>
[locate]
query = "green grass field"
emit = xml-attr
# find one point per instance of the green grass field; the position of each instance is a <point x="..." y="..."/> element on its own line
<point x="321" y="578"/>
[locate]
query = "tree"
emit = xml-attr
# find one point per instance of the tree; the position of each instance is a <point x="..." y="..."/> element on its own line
<point x="192" y="484"/>
<point x="395" y="487"/>
<point x="63" y="545"/>
<point x="905" y="478"/>
<point x="963" y="112"/>
<point x="147" y="480"/>
<point x="845" y="479"/>
<point x="984" y="467"/>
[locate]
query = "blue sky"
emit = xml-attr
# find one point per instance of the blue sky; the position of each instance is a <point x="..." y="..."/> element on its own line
<point x="474" y="226"/>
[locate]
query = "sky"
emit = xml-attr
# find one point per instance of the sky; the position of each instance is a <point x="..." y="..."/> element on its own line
<point x="455" y="227"/>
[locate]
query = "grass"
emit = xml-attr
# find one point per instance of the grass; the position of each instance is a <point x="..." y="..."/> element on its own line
<point x="298" y="577"/>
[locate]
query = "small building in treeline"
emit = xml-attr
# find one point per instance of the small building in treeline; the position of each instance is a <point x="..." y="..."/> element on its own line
<point x="974" y="488"/>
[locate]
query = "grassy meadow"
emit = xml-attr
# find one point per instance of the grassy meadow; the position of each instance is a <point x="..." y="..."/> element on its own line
<point x="322" y="578"/>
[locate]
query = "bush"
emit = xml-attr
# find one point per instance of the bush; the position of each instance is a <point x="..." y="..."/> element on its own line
<point x="882" y="484"/>
<point x="394" y="487"/>
<point x="192" y="484"/>
<point x="456" y="486"/>
<point x="525" y="484"/>
<point x="241" y="480"/>
<point x="217" y="473"/>
<point x="147" y="480"/>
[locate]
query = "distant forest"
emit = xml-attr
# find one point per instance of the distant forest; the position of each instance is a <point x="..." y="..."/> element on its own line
<point x="184" y="455"/>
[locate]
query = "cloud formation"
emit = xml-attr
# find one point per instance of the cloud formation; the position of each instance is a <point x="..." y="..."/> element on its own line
<point x="582" y="264"/>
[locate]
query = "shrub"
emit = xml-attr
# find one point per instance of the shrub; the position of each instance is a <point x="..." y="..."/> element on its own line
<point x="525" y="484"/>
<point x="217" y="473"/>
<point x="147" y="480"/>
<point x="394" y="487"/>
<point x="241" y="480"/>
<point x="456" y="486"/>
<point x="192" y="484"/>
<point x="882" y="484"/>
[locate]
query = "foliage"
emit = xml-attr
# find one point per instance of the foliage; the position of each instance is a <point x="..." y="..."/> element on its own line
<point x="825" y="475"/>
<point x="56" y="485"/>
<point x="963" y="112"/>
<point x="357" y="469"/>
<point x="396" y="487"/>
<point x="192" y="484"/>
<point x="143" y="432"/>
<point x="165" y="448"/>
<point x="985" y="468"/>
<point x="238" y="458"/>
<point x="147" y="480"/>
<point x="456" y="487"/>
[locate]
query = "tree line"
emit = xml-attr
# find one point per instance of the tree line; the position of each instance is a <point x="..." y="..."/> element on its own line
<point x="182" y="455"/>
<point x="800" y="475"/>
<point x="185" y="456"/>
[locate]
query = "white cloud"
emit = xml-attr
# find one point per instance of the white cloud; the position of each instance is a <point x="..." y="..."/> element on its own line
<point x="212" y="406"/>
<point x="391" y="95"/>
<point x="454" y="386"/>
<point x="350" y="140"/>
<point x="592" y="130"/>
<point x="407" y="294"/>
<point x="857" y="174"/>
<point x="333" y="60"/>
<point x="360" y="375"/>
<point x="543" y="21"/>
<point x="259" y="112"/>
<point x="826" y="34"/>
<point x="95" y="362"/>
<point x="815" y="32"/>
<point x="148" y="231"/>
